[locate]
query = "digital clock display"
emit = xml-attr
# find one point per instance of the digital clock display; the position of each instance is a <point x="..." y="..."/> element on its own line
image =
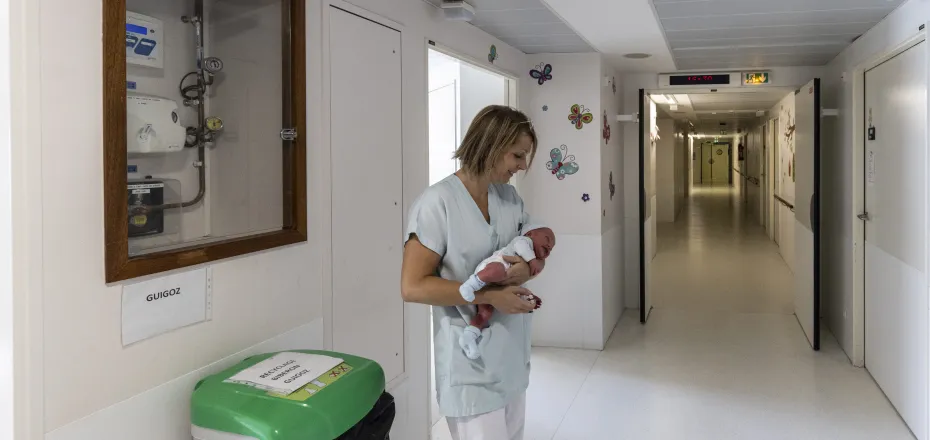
<point x="687" y="80"/>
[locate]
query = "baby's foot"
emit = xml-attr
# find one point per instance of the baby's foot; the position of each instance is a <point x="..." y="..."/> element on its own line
<point x="469" y="342"/>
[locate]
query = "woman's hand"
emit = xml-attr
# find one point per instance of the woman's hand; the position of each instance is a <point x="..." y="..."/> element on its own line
<point x="507" y="299"/>
<point x="519" y="272"/>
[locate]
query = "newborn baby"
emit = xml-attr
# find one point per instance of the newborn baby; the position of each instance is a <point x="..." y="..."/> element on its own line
<point x="534" y="247"/>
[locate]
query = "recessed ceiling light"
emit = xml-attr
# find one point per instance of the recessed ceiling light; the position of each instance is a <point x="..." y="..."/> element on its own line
<point x="637" y="56"/>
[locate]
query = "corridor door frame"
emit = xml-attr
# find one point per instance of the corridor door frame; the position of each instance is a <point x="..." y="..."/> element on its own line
<point x="857" y="356"/>
<point x="645" y="126"/>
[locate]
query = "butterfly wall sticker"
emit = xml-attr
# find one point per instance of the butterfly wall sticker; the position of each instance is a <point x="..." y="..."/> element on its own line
<point x="580" y="116"/>
<point x="613" y="83"/>
<point x="542" y="73"/>
<point x="606" y="131"/>
<point x="492" y="55"/>
<point x="560" y="163"/>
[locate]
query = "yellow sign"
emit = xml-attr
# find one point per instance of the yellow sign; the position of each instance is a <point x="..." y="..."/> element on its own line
<point x="755" y="78"/>
<point x="317" y="385"/>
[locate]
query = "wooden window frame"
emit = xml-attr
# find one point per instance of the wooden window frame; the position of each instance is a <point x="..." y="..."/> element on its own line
<point x="120" y="265"/>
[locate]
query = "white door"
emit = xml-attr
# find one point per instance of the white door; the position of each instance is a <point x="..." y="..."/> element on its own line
<point x="647" y="200"/>
<point x="896" y="338"/>
<point x="807" y="211"/>
<point x="368" y="312"/>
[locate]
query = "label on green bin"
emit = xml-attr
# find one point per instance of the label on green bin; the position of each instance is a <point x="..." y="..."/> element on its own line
<point x="316" y="385"/>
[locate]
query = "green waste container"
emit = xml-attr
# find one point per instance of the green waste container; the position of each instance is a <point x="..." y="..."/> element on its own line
<point x="346" y="403"/>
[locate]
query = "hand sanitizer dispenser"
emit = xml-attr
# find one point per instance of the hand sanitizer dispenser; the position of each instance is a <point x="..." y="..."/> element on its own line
<point x="152" y="125"/>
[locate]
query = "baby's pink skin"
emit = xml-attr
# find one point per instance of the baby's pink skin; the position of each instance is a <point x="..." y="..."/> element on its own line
<point x="493" y="273"/>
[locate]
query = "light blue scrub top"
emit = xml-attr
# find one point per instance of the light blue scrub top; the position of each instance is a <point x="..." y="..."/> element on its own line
<point x="447" y="220"/>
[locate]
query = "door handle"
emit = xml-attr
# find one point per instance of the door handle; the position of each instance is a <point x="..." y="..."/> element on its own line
<point x="864" y="216"/>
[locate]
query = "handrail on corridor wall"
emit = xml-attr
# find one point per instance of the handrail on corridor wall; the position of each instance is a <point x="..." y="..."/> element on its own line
<point x="784" y="202"/>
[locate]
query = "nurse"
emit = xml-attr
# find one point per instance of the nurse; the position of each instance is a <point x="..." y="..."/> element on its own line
<point x="453" y="226"/>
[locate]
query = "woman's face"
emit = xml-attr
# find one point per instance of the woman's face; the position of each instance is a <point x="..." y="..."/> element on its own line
<point x="513" y="161"/>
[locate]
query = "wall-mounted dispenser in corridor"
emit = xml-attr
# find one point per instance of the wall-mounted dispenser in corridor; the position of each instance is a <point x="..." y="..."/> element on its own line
<point x="152" y="125"/>
<point x="144" y="44"/>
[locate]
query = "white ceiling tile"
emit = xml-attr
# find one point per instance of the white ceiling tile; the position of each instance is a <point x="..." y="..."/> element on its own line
<point x="778" y="19"/>
<point x="825" y="31"/>
<point x="718" y="8"/>
<point x="755" y="51"/>
<point x="840" y="41"/>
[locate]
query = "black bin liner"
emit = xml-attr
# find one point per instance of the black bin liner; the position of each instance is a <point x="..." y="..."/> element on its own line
<point x="377" y="424"/>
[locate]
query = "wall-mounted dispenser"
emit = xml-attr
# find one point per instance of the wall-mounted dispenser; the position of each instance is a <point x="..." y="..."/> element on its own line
<point x="144" y="40"/>
<point x="152" y="125"/>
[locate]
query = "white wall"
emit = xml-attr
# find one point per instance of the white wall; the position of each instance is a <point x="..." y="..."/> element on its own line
<point x="577" y="317"/>
<point x="8" y="413"/>
<point x="837" y="159"/>
<point x="611" y="206"/>
<point x="264" y="301"/>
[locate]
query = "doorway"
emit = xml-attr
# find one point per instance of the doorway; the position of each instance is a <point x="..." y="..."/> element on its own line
<point x="721" y="231"/>
<point x="895" y="232"/>
<point x="715" y="163"/>
<point x="457" y="91"/>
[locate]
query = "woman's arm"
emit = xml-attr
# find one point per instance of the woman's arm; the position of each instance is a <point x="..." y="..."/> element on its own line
<point x="419" y="284"/>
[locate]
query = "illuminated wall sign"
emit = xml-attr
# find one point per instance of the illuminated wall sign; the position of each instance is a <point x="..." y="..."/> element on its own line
<point x="755" y="78"/>
<point x="697" y="79"/>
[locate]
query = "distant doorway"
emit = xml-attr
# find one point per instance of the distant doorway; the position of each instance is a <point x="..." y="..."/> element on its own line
<point x="715" y="163"/>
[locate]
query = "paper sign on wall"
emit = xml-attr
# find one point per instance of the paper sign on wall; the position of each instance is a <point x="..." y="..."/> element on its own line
<point x="870" y="170"/>
<point x="160" y="305"/>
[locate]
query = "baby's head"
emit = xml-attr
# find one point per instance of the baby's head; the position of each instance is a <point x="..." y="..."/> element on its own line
<point x="543" y="241"/>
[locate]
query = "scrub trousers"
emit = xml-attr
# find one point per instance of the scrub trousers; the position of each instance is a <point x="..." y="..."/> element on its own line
<point x="504" y="424"/>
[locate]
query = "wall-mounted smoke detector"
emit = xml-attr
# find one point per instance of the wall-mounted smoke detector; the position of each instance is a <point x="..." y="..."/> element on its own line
<point x="458" y="10"/>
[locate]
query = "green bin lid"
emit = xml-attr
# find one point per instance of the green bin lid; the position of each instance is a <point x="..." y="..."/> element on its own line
<point x="311" y="413"/>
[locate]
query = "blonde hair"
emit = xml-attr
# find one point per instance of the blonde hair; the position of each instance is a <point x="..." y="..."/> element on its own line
<point x="491" y="134"/>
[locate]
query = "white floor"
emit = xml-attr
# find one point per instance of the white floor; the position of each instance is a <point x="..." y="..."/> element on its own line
<point x="722" y="357"/>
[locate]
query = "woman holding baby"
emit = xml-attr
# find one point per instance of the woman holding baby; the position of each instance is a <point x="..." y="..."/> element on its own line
<point x="453" y="226"/>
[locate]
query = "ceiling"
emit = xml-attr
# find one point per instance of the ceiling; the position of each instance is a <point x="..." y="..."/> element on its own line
<point x="709" y="34"/>
<point x="684" y="34"/>
<point x="707" y="110"/>
<point x="617" y="28"/>
<point x="527" y="25"/>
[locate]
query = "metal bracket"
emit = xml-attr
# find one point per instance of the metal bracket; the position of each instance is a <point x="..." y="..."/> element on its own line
<point x="864" y="216"/>
<point x="628" y="118"/>
<point x="289" y="134"/>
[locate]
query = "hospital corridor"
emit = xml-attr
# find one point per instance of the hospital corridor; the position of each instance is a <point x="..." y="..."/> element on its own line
<point x="464" y="220"/>
<point x="723" y="356"/>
